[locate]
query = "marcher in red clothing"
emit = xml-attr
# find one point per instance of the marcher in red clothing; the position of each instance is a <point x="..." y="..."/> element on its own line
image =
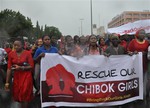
<point x="102" y="44"/>
<point x="139" y="44"/>
<point x="123" y="42"/>
<point x="21" y="62"/>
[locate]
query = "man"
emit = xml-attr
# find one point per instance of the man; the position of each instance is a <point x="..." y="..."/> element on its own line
<point x="115" y="48"/>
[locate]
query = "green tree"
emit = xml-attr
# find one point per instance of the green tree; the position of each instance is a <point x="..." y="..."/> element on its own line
<point x="15" y="24"/>
<point x="53" y="31"/>
<point x="37" y="30"/>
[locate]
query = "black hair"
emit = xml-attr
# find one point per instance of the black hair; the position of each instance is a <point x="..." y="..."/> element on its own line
<point x="45" y="36"/>
<point x="90" y="37"/>
<point x="100" y="40"/>
<point x="67" y="37"/>
<point x="89" y="40"/>
<point x="20" y="39"/>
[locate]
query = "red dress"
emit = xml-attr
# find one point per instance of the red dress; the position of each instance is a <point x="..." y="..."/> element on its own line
<point x="22" y="83"/>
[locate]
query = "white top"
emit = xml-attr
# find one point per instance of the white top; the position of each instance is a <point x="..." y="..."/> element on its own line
<point x="3" y="54"/>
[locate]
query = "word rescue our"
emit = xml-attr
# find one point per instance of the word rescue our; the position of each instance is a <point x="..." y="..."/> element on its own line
<point x="105" y="74"/>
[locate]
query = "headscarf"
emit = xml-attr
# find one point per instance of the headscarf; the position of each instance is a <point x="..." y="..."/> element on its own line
<point x="114" y="35"/>
<point x="137" y="33"/>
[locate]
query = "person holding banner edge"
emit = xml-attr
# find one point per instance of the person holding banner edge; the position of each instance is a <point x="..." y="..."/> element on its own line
<point x="114" y="48"/>
<point x="40" y="52"/>
<point x="140" y="44"/>
<point x="93" y="48"/>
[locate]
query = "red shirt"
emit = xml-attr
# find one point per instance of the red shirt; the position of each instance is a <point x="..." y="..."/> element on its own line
<point x="134" y="45"/>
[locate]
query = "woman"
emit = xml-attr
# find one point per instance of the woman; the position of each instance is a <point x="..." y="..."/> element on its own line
<point x="76" y="39"/>
<point x="69" y="45"/>
<point x="40" y="52"/>
<point x="102" y="44"/>
<point x="45" y="48"/>
<point x="139" y="44"/>
<point x="21" y="62"/>
<point x="93" y="48"/>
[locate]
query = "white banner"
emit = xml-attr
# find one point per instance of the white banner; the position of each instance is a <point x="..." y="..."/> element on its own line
<point x="131" y="28"/>
<point x="93" y="80"/>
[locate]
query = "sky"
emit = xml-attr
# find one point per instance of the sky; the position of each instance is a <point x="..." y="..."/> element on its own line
<point x="66" y="15"/>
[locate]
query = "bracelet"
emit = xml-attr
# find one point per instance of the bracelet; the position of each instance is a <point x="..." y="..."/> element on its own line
<point x="7" y="84"/>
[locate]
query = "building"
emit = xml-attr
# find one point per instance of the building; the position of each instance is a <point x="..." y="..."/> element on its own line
<point x="101" y="31"/>
<point x="94" y="29"/>
<point x="128" y="16"/>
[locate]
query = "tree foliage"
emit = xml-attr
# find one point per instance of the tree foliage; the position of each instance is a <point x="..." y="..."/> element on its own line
<point x="15" y="24"/>
<point x="48" y="30"/>
<point x="53" y="31"/>
<point x="38" y="31"/>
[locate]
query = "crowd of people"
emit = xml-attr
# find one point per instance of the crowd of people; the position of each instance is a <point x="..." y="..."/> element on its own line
<point x="22" y="61"/>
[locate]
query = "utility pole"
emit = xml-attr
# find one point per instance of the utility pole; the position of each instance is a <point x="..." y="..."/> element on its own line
<point x="91" y="17"/>
<point x="81" y="27"/>
<point x="79" y="31"/>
